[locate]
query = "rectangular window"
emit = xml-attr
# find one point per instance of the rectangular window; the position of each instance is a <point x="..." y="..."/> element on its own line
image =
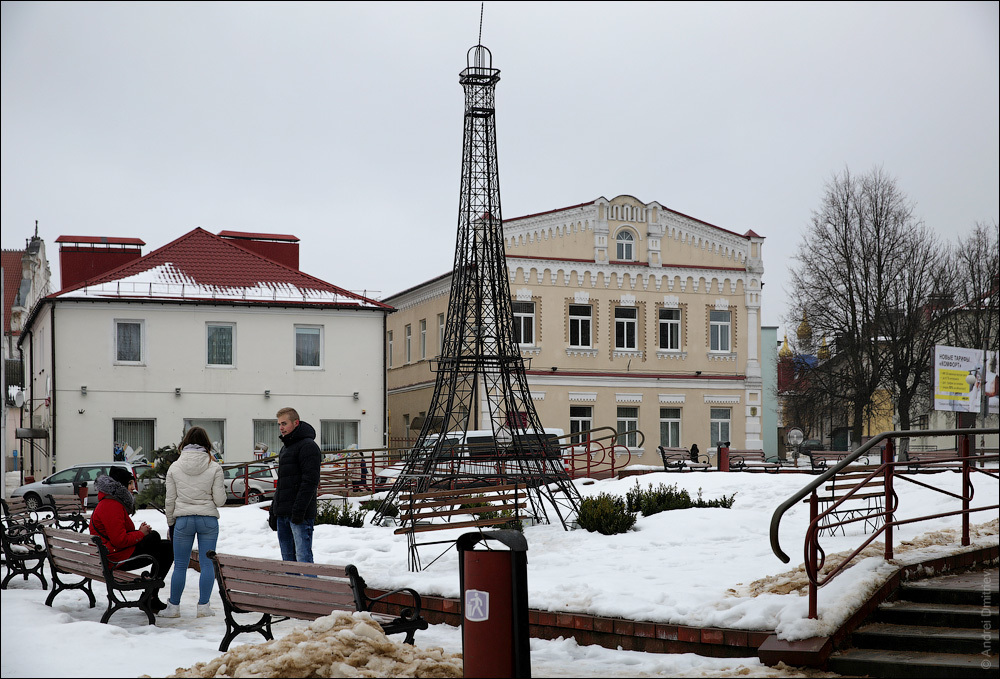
<point x="388" y="349"/>
<point x="626" y="324"/>
<point x="581" y="419"/>
<point x="337" y="435"/>
<point x="440" y="333"/>
<point x="628" y="425"/>
<point x="220" y="344"/>
<point x="216" y="430"/>
<point x="134" y="434"/>
<point x="407" y="338"/>
<point x="423" y="338"/>
<point x="670" y="329"/>
<point x="266" y="432"/>
<point x="129" y="341"/>
<point x="719" y="323"/>
<point x="524" y="323"/>
<point x="579" y="325"/>
<point x="719" y="420"/>
<point x="308" y="347"/>
<point x="670" y="427"/>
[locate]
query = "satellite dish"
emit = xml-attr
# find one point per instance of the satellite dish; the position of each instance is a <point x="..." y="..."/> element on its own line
<point x="18" y="398"/>
<point x="794" y="436"/>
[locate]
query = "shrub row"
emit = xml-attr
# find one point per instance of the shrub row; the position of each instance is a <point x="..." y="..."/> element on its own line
<point x="611" y="514"/>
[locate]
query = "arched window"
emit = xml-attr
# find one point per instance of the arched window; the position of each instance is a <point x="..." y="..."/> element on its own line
<point x="626" y="246"/>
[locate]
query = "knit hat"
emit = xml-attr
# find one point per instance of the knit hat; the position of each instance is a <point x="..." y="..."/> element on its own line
<point x="121" y="475"/>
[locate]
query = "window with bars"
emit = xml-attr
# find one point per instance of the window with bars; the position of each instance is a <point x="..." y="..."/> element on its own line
<point x="220" y="338"/>
<point x="670" y="329"/>
<point x="628" y="425"/>
<point x="337" y="435"/>
<point x="129" y="341"/>
<point x="524" y="323"/>
<point x="308" y="346"/>
<point x="670" y="427"/>
<point x="580" y="317"/>
<point x="139" y="434"/>
<point x="626" y="327"/>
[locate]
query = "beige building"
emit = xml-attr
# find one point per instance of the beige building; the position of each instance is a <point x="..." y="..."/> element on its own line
<point x="632" y="315"/>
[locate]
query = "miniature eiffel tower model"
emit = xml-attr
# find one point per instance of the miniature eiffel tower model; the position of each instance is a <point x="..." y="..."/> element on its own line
<point x="480" y="376"/>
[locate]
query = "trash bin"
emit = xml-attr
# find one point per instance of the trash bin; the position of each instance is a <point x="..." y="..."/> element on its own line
<point x="723" y="456"/>
<point x="494" y="585"/>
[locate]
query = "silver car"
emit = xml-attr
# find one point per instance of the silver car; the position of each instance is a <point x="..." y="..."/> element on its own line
<point x="67" y="483"/>
<point x="262" y="479"/>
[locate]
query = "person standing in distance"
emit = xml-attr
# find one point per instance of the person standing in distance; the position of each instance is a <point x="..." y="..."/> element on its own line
<point x="293" y="510"/>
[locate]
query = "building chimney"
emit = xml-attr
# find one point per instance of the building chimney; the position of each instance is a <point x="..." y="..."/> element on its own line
<point x="277" y="247"/>
<point x="84" y="257"/>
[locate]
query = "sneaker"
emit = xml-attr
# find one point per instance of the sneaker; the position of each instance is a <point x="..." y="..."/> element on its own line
<point x="205" y="611"/>
<point x="171" y="611"/>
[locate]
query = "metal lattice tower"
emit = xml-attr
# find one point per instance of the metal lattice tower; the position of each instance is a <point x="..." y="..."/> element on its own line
<point x="480" y="376"/>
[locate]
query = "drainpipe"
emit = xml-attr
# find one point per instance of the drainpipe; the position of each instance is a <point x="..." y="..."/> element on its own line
<point x="52" y="396"/>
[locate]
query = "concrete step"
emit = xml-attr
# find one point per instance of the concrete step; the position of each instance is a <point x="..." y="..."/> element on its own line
<point x="913" y="665"/>
<point x="925" y="638"/>
<point x="975" y="588"/>
<point x="937" y="615"/>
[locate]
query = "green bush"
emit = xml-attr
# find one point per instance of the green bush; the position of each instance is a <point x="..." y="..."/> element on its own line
<point x="375" y="505"/>
<point x="605" y="514"/>
<point x="155" y="492"/>
<point x="651" y="500"/>
<point x="513" y="524"/>
<point x="333" y="513"/>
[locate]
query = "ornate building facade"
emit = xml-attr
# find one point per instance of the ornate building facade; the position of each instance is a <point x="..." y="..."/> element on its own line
<point x="634" y="316"/>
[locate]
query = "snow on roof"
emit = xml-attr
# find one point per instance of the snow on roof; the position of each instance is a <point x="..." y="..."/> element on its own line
<point x="200" y="266"/>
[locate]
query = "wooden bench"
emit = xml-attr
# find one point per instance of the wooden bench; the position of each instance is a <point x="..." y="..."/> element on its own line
<point x="67" y="512"/>
<point x="22" y="554"/>
<point x="70" y="553"/>
<point x="679" y="460"/>
<point x="821" y="459"/>
<point x="866" y="502"/>
<point x="280" y="590"/>
<point x="470" y="507"/>
<point x="934" y="461"/>
<point x="752" y="461"/>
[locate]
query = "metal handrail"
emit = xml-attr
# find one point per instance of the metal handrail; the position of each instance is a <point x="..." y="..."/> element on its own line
<point x="830" y="473"/>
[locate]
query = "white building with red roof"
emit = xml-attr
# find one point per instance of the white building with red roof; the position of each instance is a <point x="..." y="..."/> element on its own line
<point x="218" y="331"/>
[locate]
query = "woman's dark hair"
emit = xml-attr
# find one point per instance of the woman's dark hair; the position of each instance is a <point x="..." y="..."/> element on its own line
<point x="198" y="437"/>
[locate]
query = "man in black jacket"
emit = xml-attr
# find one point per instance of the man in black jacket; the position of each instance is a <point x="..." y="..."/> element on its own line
<point x="293" y="511"/>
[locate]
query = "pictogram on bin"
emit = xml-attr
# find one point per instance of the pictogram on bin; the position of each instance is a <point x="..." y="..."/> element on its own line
<point x="494" y="585"/>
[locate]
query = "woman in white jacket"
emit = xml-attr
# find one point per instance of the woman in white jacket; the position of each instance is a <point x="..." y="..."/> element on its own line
<point x="195" y="491"/>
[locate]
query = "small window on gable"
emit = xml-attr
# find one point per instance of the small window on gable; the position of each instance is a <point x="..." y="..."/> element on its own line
<point x="625" y="242"/>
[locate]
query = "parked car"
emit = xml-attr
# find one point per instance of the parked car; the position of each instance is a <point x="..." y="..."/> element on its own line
<point x="67" y="483"/>
<point x="262" y="478"/>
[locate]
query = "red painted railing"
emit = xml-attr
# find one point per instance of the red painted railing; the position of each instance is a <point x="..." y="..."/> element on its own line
<point x="889" y="471"/>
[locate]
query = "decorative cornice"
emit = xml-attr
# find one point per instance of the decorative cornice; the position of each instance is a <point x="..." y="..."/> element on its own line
<point x="590" y="353"/>
<point x="628" y="398"/>
<point x="588" y="396"/>
<point x="721" y="357"/>
<point x="722" y="400"/>
<point x="672" y="355"/>
<point x="672" y="398"/>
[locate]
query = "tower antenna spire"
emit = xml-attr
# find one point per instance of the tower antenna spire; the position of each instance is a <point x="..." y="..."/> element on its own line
<point x="481" y="5"/>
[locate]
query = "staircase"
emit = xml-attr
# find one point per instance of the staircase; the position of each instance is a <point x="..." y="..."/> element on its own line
<point x="938" y="627"/>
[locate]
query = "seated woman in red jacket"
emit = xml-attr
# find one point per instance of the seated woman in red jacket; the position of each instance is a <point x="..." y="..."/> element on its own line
<point x="112" y="521"/>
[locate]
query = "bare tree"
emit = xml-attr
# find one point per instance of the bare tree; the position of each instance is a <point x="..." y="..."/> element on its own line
<point x="974" y="318"/>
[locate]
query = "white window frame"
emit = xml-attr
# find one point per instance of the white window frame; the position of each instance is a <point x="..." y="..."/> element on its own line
<point x="408" y="342"/>
<point x="423" y="338"/>
<point x="579" y="422"/>
<point x="266" y="432"/>
<point x="628" y="426"/>
<point x="232" y="344"/>
<point x="388" y="350"/>
<point x="524" y="323"/>
<point x="578" y="322"/>
<point x="720" y="332"/>
<point x="142" y="341"/>
<point x="720" y="426"/>
<point x="672" y="327"/>
<point x="440" y="333"/>
<point x="670" y="428"/>
<point x="625" y="246"/>
<point x="622" y="327"/>
<point x="318" y="332"/>
<point x="327" y="445"/>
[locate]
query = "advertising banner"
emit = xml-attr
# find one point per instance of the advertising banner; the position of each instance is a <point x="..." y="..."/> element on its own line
<point x="954" y="390"/>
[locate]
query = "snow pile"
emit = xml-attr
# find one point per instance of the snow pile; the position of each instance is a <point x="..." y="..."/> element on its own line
<point x="338" y="645"/>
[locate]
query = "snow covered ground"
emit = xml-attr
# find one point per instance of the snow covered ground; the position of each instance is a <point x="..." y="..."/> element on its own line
<point x="699" y="567"/>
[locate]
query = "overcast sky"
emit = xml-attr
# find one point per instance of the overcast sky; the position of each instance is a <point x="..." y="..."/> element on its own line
<point x="341" y="123"/>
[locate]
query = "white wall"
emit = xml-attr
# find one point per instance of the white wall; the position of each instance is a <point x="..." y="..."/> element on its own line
<point x="175" y="356"/>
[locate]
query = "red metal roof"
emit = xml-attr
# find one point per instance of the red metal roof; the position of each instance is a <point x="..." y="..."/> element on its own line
<point x="100" y="240"/>
<point x="11" y="283"/>
<point x="259" y="236"/>
<point x="219" y="268"/>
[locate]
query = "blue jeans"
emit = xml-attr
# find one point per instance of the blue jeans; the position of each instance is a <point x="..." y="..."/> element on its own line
<point x="295" y="539"/>
<point x="185" y="530"/>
